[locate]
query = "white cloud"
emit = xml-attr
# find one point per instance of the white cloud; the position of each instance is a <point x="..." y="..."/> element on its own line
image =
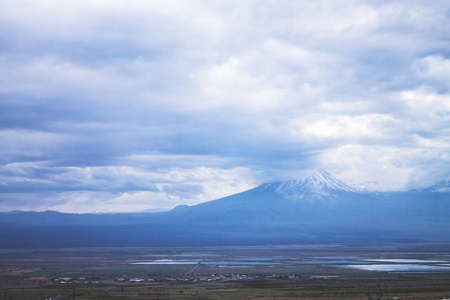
<point x="349" y="127"/>
<point x="386" y="168"/>
<point x="143" y="187"/>
<point x="433" y="66"/>
<point x="427" y="110"/>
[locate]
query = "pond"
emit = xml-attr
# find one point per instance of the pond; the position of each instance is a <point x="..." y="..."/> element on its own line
<point x="397" y="267"/>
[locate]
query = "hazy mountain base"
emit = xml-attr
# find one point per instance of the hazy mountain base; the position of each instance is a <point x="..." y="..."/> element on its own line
<point x="14" y="236"/>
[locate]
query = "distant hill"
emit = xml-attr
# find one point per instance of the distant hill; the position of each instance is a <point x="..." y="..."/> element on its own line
<point x="316" y="209"/>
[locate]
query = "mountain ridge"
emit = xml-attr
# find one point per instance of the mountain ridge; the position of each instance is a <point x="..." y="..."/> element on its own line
<point x="317" y="209"/>
<point x="320" y="179"/>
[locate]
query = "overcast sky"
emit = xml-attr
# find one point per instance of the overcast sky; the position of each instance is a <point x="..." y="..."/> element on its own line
<point x="133" y="105"/>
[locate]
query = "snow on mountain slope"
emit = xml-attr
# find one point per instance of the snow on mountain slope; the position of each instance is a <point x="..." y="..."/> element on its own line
<point x="320" y="182"/>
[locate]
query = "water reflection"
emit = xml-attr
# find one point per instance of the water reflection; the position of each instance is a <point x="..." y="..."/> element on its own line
<point x="397" y="267"/>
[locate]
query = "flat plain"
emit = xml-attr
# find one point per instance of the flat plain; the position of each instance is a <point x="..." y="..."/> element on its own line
<point x="390" y="271"/>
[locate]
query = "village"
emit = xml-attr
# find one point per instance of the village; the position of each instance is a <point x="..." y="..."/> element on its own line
<point x="194" y="278"/>
<point x="315" y="272"/>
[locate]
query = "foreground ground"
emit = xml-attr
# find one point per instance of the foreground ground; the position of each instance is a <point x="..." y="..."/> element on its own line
<point x="275" y="272"/>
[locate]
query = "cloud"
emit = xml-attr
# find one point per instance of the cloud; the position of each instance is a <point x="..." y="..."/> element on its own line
<point x="108" y="188"/>
<point x="153" y="104"/>
<point x="388" y="168"/>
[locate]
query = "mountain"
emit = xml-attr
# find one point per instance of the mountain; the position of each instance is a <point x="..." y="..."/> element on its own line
<point x="319" y="181"/>
<point x="316" y="209"/>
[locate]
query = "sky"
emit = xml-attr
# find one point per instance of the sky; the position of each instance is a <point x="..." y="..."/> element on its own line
<point x="121" y="106"/>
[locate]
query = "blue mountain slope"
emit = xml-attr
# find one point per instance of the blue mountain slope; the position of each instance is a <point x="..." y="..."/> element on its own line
<point x="323" y="202"/>
<point x="320" y="197"/>
<point x="319" y="208"/>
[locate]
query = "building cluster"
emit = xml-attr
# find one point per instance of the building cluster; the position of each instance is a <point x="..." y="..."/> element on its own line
<point x="197" y="278"/>
<point x="203" y="278"/>
<point x="81" y="280"/>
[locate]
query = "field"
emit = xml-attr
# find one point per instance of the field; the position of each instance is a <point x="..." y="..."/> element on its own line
<point x="273" y="272"/>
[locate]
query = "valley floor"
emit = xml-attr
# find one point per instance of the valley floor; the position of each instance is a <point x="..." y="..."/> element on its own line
<point x="419" y="271"/>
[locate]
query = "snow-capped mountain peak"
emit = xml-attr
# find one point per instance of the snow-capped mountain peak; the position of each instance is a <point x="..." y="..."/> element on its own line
<point x="319" y="181"/>
<point x="323" y="179"/>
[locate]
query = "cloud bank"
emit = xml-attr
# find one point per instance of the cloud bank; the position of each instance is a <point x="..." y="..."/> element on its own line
<point x="128" y="106"/>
